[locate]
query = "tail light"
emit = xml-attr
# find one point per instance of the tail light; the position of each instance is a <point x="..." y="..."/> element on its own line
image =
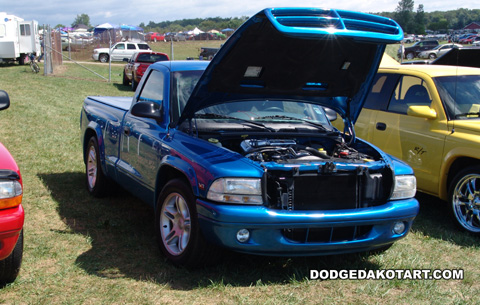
<point x="140" y="69"/>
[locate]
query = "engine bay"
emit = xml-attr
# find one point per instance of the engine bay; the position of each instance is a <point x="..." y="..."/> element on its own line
<point x="297" y="150"/>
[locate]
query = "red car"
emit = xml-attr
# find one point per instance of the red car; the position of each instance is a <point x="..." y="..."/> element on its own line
<point x="11" y="211"/>
<point x="138" y="64"/>
<point x="154" y="36"/>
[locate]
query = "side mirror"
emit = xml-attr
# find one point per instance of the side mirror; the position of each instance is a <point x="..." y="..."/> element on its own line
<point x="150" y="110"/>
<point x="4" y="100"/>
<point x="422" y="112"/>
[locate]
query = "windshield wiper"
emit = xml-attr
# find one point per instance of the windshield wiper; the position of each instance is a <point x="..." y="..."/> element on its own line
<point x="467" y="114"/>
<point x="294" y="119"/>
<point x="221" y="116"/>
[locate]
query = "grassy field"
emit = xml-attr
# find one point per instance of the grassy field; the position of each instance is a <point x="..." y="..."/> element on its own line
<point x="82" y="250"/>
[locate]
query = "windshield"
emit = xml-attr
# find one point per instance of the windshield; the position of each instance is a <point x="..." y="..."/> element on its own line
<point x="460" y="95"/>
<point x="268" y="111"/>
<point x="183" y="84"/>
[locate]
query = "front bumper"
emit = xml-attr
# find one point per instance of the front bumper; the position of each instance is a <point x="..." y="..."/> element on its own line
<point x="11" y="223"/>
<point x="271" y="230"/>
<point x="95" y="56"/>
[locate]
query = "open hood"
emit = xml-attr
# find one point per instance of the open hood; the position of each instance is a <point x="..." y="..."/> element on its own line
<point x="324" y="56"/>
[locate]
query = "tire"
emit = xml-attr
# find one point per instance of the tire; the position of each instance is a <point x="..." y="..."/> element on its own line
<point x="103" y="58"/>
<point x="464" y="199"/>
<point x="125" y="80"/>
<point x="410" y="56"/>
<point x="177" y="230"/>
<point x="134" y="83"/>
<point x="97" y="182"/>
<point x="10" y="267"/>
<point x="432" y="56"/>
<point x="21" y="59"/>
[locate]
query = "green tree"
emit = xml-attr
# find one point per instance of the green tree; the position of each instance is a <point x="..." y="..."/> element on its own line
<point x="82" y="19"/>
<point x="420" y="20"/>
<point x="404" y="15"/>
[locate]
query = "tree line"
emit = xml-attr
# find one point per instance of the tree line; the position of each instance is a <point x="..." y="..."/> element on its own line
<point x="207" y="24"/>
<point x="418" y="21"/>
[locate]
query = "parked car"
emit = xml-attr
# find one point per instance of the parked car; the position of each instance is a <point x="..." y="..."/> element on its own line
<point x="119" y="51"/>
<point x="409" y="39"/>
<point x="438" y="51"/>
<point x="176" y="37"/>
<point x="413" y="51"/>
<point x="428" y="116"/>
<point x="468" y="39"/>
<point x="154" y="36"/>
<point x="238" y="152"/>
<point x="207" y="53"/>
<point x="138" y="64"/>
<point x="11" y="211"/>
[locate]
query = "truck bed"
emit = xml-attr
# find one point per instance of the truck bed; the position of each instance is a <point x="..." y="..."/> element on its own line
<point x="120" y="102"/>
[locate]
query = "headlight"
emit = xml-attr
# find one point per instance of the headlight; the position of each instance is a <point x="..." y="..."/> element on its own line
<point x="10" y="194"/>
<point x="236" y="190"/>
<point x="405" y="187"/>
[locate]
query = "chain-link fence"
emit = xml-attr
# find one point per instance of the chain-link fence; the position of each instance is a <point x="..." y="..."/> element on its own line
<point x="51" y="50"/>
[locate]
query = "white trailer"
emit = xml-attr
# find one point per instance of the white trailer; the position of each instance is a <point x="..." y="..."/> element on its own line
<point x="18" y="38"/>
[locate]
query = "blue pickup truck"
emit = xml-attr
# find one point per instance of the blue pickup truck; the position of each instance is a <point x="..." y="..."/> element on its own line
<point x="239" y="152"/>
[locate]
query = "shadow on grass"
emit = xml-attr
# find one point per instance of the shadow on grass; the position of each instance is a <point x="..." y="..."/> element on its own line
<point x="121" y="230"/>
<point x="435" y="220"/>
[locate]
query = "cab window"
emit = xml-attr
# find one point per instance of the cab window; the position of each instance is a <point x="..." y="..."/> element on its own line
<point x="410" y="91"/>
<point x="381" y="91"/>
<point x="120" y="46"/>
<point x="153" y="90"/>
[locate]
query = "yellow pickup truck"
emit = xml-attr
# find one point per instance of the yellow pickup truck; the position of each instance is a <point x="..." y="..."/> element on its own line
<point x="429" y="117"/>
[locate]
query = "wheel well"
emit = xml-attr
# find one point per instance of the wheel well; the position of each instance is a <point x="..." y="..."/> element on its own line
<point x="458" y="165"/>
<point x="88" y="134"/>
<point x="167" y="173"/>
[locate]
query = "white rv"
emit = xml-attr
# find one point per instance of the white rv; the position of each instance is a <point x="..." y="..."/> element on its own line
<point x="18" y="38"/>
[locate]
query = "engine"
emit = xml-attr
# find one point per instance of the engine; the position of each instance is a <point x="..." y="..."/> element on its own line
<point x="289" y="151"/>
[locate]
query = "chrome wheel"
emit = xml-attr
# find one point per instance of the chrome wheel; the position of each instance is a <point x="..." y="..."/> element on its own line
<point x="175" y="224"/>
<point x="92" y="167"/>
<point x="466" y="202"/>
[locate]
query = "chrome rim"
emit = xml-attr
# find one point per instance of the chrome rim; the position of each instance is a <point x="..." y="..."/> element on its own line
<point x="91" y="167"/>
<point x="466" y="202"/>
<point x="175" y="224"/>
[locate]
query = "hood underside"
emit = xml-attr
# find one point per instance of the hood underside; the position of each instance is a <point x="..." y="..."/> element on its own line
<point x="327" y="57"/>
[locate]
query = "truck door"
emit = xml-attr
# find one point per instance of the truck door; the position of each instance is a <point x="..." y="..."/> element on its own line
<point x="141" y="147"/>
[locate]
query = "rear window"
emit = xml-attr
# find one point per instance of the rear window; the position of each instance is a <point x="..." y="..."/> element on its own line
<point x="143" y="46"/>
<point x="151" y="58"/>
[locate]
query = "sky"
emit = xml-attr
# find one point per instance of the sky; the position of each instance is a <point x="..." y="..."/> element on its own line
<point x="134" y="12"/>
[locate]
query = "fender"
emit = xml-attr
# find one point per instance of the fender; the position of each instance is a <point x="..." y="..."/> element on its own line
<point x="182" y="167"/>
<point x="449" y="158"/>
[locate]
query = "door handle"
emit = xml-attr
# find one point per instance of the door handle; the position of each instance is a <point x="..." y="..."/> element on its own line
<point x="126" y="130"/>
<point x="381" y="126"/>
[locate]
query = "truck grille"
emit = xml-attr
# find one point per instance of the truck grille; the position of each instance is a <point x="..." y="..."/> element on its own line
<point x="327" y="235"/>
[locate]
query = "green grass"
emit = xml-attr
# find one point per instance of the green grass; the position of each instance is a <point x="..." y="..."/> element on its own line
<point x="82" y="250"/>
